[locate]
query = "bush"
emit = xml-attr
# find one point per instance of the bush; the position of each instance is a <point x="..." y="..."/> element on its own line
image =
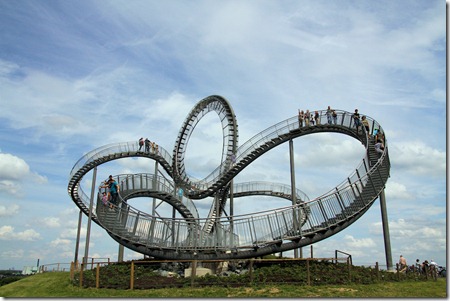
<point x="147" y="276"/>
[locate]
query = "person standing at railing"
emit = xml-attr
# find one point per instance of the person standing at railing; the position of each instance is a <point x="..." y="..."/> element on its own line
<point x="334" y="115"/>
<point x="329" y="112"/>
<point x="147" y="145"/>
<point x="141" y="143"/>
<point x="317" y="118"/>
<point x="365" y="123"/>
<point x="356" y="119"/>
<point x="301" y="116"/>
<point x="307" y="116"/>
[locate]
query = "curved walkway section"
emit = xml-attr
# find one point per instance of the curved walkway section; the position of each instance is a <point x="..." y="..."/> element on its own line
<point x="238" y="236"/>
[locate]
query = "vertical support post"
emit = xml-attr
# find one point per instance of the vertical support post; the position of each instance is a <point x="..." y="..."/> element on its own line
<point x="193" y="271"/>
<point x="97" y="276"/>
<point x="88" y="231"/>
<point x="250" y="271"/>
<point x="377" y="270"/>
<point x="132" y="276"/>
<point x="174" y="212"/>
<point x="293" y="190"/>
<point x="120" y="253"/>
<point x="152" y="223"/>
<point x="72" y="270"/>
<point x="77" y="244"/>
<point x="349" y="266"/>
<point x="81" y="274"/>
<point x="308" y="273"/>
<point x="387" y="239"/>
<point x="231" y="215"/>
<point x="217" y="220"/>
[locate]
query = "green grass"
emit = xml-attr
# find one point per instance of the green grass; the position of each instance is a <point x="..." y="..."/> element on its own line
<point x="57" y="284"/>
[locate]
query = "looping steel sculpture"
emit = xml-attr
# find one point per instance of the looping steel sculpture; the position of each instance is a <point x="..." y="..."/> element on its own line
<point x="230" y="236"/>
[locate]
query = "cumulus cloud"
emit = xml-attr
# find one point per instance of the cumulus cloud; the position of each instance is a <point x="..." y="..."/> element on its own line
<point x="51" y="222"/>
<point x="419" y="159"/>
<point x="12" y="167"/>
<point x="61" y="243"/>
<point x="353" y="243"/>
<point x="10" y="210"/>
<point x="7" y="233"/>
<point x="13" y="172"/>
<point x="18" y="253"/>
<point x="396" y="190"/>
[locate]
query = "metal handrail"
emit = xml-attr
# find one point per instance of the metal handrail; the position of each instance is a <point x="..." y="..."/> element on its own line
<point x="332" y="207"/>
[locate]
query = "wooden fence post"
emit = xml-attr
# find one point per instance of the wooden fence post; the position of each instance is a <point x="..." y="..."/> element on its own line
<point x="81" y="274"/>
<point x="308" y="274"/>
<point x="349" y="270"/>
<point x="132" y="276"/>
<point x="193" y="271"/>
<point x="72" y="270"/>
<point x="250" y="270"/>
<point x="97" y="276"/>
<point x="377" y="270"/>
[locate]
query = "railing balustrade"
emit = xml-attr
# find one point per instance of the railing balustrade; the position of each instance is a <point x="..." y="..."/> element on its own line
<point x="242" y="231"/>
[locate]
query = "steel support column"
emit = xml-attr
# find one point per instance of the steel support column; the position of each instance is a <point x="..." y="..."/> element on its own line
<point x="77" y="244"/>
<point x="231" y="214"/>
<point x="293" y="190"/>
<point x="387" y="239"/>
<point x="91" y="205"/>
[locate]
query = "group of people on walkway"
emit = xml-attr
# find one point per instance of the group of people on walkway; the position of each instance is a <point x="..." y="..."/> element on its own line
<point x="111" y="193"/>
<point x="147" y="144"/>
<point x="360" y="122"/>
<point x="314" y="119"/>
<point x="377" y="134"/>
<point x="305" y="118"/>
<point x="308" y="118"/>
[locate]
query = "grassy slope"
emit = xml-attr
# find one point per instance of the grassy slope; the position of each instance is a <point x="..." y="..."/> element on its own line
<point x="57" y="284"/>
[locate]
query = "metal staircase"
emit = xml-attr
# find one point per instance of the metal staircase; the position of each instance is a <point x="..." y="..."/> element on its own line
<point x="238" y="236"/>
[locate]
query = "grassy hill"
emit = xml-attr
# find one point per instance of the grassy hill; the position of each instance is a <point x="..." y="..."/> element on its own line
<point x="58" y="284"/>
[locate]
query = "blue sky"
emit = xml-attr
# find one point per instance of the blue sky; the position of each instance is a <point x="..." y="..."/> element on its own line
<point x="77" y="75"/>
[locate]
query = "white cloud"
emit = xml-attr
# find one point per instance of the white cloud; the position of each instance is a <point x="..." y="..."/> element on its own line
<point x="418" y="159"/>
<point x="353" y="243"/>
<point x="18" y="253"/>
<point x="12" y="167"/>
<point x="10" y="210"/>
<point x="51" y="222"/>
<point x="61" y="243"/>
<point x="14" y="171"/>
<point x="396" y="190"/>
<point x="7" y="233"/>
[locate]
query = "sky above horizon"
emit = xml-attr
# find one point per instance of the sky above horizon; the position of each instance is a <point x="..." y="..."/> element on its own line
<point x="77" y="75"/>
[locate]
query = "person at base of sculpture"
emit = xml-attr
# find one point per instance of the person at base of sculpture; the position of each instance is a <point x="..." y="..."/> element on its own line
<point x="402" y="264"/>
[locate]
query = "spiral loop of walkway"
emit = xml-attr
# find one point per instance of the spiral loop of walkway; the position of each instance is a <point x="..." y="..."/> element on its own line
<point x="225" y="112"/>
<point x="235" y="236"/>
